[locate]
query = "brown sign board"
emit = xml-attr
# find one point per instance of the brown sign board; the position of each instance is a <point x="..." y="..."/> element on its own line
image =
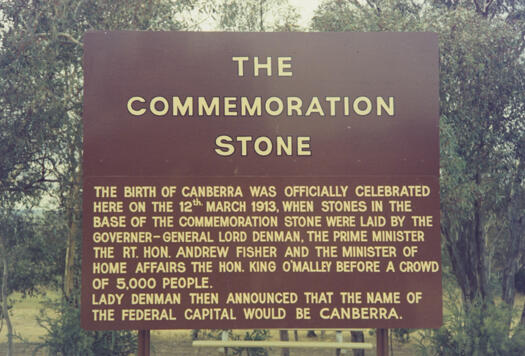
<point x="261" y="180"/>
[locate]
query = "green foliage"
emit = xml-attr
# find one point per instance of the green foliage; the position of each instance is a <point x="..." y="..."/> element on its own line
<point x="257" y="15"/>
<point x="387" y="15"/>
<point x="65" y="337"/>
<point x="41" y="83"/>
<point x="215" y="334"/>
<point x="402" y="336"/>
<point x="482" y="141"/>
<point x="482" y="109"/>
<point x="32" y="259"/>
<point x="487" y="322"/>
<point x="482" y="100"/>
<point x="255" y="335"/>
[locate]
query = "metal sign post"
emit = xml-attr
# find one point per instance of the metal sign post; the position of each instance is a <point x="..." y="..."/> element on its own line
<point x="143" y="343"/>
<point x="382" y="342"/>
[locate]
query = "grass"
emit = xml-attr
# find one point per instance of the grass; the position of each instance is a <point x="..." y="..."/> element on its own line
<point x="24" y="314"/>
<point x="519" y="304"/>
<point x="25" y="311"/>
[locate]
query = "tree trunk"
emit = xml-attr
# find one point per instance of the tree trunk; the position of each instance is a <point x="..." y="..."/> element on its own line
<point x="515" y="245"/>
<point x="466" y="246"/>
<point x="358" y="336"/>
<point x="511" y="261"/>
<point x="74" y="206"/>
<point x="70" y="259"/>
<point x="311" y="333"/>
<point x="522" y="320"/>
<point x="283" y="335"/>
<point x="261" y="15"/>
<point x="195" y="334"/>
<point x="480" y="253"/>
<point x="5" y="311"/>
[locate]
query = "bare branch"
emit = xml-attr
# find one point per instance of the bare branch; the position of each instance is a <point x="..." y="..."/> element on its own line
<point x="486" y="6"/>
<point x="356" y="3"/>
<point x="64" y="35"/>
<point x="374" y="6"/>
<point x="478" y="7"/>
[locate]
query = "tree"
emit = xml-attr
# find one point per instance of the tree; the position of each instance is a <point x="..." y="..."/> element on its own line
<point x="482" y="130"/>
<point x="27" y="256"/>
<point x="481" y="107"/>
<point x="41" y="102"/>
<point x="257" y="16"/>
<point x="27" y="123"/>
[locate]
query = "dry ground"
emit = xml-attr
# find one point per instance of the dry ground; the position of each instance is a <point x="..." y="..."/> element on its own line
<point x="163" y="342"/>
<point x="177" y="343"/>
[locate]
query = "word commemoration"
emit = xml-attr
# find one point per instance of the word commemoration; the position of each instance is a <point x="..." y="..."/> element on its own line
<point x="270" y="106"/>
